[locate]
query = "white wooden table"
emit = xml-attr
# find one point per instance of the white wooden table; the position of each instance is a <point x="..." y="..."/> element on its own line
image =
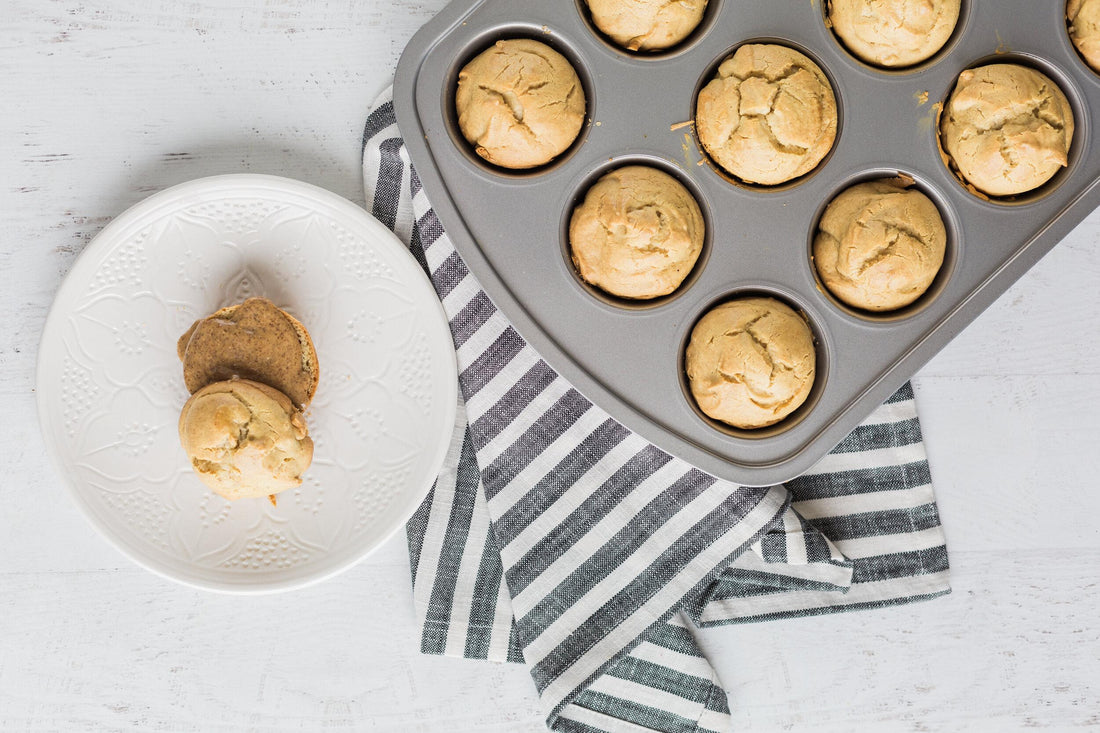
<point x="104" y="103"/>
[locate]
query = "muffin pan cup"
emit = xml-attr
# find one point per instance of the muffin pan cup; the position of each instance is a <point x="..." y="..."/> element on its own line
<point x="629" y="361"/>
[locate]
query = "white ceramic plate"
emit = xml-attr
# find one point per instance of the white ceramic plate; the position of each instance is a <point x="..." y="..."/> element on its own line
<point x="110" y="386"/>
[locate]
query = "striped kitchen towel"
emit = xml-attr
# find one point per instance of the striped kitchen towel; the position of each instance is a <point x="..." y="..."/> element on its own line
<point x="556" y="537"/>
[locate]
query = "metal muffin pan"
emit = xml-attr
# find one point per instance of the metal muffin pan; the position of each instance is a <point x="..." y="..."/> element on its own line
<point x="510" y="226"/>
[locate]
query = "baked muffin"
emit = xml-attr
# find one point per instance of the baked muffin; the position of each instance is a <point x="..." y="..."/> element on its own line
<point x="647" y="25"/>
<point x="1084" y="29"/>
<point x="245" y="439"/>
<point x="879" y="245"/>
<point x="637" y="234"/>
<point x="751" y="362"/>
<point x="894" y="33"/>
<point x="769" y="116"/>
<point x="520" y="103"/>
<point x="252" y="340"/>
<point x="1007" y="128"/>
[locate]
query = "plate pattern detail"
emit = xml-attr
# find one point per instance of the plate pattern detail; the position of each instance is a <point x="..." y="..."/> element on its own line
<point x="114" y="386"/>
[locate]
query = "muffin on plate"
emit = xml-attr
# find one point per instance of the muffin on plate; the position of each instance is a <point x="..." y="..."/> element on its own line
<point x="637" y="234"/>
<point x="769" y="116"/>
<point x="245" y="439"/>
<point x="751" y="362"/>
<point x="252" y="340"/>
<point x="879" y="245"/>
<point x="647" y="25"/>
<point x="1007" y="128"/>
<point x="251" y="369"/>
<point x="894" y="33"/>
<point x="520" y="103"/>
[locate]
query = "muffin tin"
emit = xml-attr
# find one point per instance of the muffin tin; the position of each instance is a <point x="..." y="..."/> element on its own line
<point x="627" y="357"/>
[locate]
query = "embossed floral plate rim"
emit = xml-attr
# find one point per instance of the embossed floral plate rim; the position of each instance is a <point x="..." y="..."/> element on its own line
<point x="409" y="282"/>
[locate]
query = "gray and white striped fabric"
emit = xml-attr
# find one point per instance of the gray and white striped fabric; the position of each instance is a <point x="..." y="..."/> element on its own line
<point x="556" y="537"/>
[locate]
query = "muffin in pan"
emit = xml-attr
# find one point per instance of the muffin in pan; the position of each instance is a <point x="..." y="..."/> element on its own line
<point x="1007" y="128"/>
<point x="1084" y="29"/>
<point x="894" y="33"/>
<point x="879" y="245"/>
<point x="769" y="116"/>
<point x="520" y="103"/>
<point x="637" y="234"/>
<point x="751" y="362"/>
<point x="646" y="25"/>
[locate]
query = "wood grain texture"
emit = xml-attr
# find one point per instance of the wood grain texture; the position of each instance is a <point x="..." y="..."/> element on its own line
<point x="1012" y="648"/>
<point x="123" y="650"/>
<point x="1045" y="324"/>
<point x="1015" y="460"/>
<point x="105" y="103"/>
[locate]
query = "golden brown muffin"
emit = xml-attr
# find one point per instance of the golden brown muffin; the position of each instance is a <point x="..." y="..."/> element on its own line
<point x="245" y="439"/>
<point x="1007" y="128"/>
<point x="1084" y="29"/>
<point x="637" y="234"/>
<point x="879" y="245"/>
<point x="253" y="340"/>
<point x="894" y="33"/>
<point x="769" y="116"/>
<point x="751" y="362"/>
<point x="647" y="25"/>
<point x="520" y="103"/>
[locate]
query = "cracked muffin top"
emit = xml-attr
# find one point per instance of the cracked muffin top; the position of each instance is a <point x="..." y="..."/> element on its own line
<point x="879" y="245"/>
<point x="245" y="439"/>
<point x="769" y="116"/>
<point x="894" y="33"/>
<point x="647" y="25"/>
<point x="637" y="234"/>
<point x="751" y="362"/>
<point x="1007" y="128"/>
<point x="520" y="103"/>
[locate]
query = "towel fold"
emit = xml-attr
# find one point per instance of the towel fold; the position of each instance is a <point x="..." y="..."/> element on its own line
<point x="556" y="537"/>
